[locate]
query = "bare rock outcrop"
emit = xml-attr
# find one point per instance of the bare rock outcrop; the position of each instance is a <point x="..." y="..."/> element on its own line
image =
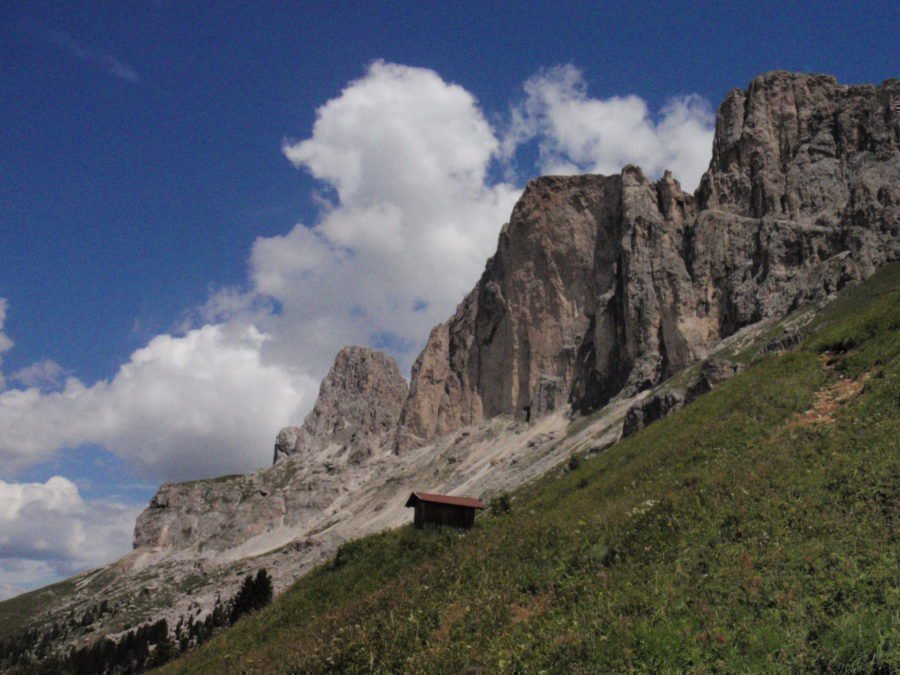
<point x="713" y="372"/>
<point x="587" y="293"/>
<point x="651" y="409"/>
<point x="354" y="419"/>
<point x="801" y="196"/>
<point x="603" y="286"/>
<point x="356" y="412"/>
<point x="803" y="147"/>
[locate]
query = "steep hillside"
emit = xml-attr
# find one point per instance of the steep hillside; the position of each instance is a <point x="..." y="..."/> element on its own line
<point x="754" y="530"/>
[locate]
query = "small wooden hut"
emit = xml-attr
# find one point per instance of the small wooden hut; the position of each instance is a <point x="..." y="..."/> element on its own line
<point x="442" y="510"/>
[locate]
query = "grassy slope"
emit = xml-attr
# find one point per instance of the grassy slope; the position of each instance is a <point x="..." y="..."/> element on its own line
<point x="18" y="612"/>
<point x="735" y="535"/>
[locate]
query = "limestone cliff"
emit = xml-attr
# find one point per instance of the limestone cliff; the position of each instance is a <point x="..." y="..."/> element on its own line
<point x="354" y="421"/>
<point x="607" y="285"/>
<point x="357" y="409"/>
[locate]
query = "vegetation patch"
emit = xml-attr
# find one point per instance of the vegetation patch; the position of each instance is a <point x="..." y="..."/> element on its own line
<point x="134" y="651"/>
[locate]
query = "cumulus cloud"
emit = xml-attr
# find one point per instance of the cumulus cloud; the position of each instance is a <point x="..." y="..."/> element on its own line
<point x="182" y="407"/>
<point x="579" y="134"/>
<point x="413" y="219"/>
<point x="47" y="530"/>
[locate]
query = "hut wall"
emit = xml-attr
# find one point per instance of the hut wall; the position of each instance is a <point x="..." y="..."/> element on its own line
<point x="419" y="516"/>
<point x="446" y="514"/>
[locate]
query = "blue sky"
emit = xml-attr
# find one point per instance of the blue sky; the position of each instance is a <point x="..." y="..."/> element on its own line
<point x="202" y="202"/>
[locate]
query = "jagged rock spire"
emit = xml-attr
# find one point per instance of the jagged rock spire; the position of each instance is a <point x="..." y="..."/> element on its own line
<point x="357" y="409"/>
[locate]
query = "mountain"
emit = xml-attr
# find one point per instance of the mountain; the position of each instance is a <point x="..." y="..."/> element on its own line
<point x="607" y="285"/>
<point x="755" y="530"/>
<point x="611" y="301"/>
<point x="356" y="412"/>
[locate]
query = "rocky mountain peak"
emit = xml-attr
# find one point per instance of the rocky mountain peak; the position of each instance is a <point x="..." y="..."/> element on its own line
<point x="606" y="285"/>
<point x="791" y="144"/>
<point x="354" y="418"/>
<point x="357" y="409"/>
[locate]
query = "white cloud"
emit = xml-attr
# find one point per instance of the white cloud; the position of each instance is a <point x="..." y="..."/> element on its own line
<point x="579" y="134"/>
<point x="47" y="530"/>
<point x="413" y="221"/>
<point x="44" y="374"/>
<point x="182" y="407"/>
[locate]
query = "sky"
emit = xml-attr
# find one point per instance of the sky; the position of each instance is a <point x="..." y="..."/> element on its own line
<point x="202" y="202"/>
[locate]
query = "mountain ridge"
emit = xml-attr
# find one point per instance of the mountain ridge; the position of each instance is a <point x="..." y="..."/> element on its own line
<point x="803" y="170"/>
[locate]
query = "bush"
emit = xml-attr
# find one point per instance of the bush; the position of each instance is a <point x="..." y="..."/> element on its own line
<point x="500" y="504"/>
<point x="254" y="594"/>
<point x="603" y="554"/>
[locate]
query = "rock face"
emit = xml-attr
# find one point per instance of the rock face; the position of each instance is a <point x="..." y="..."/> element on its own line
<point x="354" y="420"/>
<point x="607" y="285"/>
<point x="357" y="409"/>
<point x="712" y="373"/>
<point x="803" y="170"/>
<point x="803" y="147"/>
<point x="585" y="295"/>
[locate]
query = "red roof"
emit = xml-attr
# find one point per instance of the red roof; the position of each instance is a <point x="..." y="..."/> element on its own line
<point x="470" y="502"/>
